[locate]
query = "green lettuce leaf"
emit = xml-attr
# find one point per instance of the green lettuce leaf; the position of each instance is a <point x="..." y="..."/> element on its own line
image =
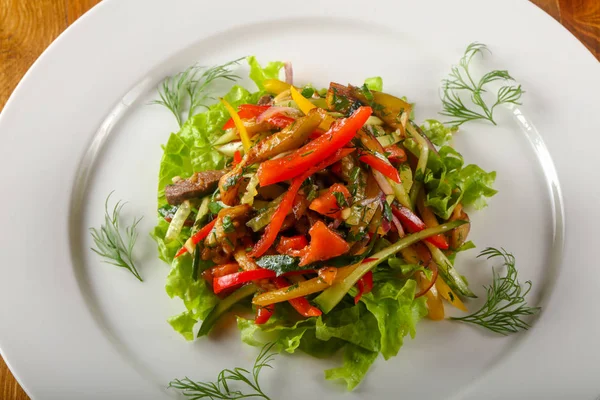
<point x="448" y="183"/>
<point x="184" y="323"/>
<point x="259" y="74"/>
<point x="197" y="297"/>
<point x="374" y="83"/>
<point x="166" y="251"/>
<point x="439" y="134"/>
<point x="353" y="324"/>
<point x="397" y="313"/>
<point x="279" y="329"/>
<point x="357" y="362"/>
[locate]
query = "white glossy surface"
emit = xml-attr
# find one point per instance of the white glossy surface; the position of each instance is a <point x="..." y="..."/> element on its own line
<point x="73" y="327"/>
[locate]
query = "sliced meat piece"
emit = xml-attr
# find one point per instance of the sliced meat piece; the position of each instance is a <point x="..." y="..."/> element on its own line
<point x="198" y="184"/>
<point x="265" y="100"/>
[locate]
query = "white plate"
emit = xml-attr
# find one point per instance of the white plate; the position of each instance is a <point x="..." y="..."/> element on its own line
<point x="79" y="125"/>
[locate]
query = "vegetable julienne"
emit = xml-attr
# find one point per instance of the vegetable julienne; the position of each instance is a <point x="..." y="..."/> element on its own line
<point x="323" y="210"/>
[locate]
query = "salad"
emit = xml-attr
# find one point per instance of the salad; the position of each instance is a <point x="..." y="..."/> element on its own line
<point x="326" y="219"/>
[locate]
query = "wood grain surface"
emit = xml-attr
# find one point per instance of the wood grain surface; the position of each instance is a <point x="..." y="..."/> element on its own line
<point x="28" y="27"/>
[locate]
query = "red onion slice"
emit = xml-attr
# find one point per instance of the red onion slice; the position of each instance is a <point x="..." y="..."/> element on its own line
<point x="384" y="185"/>
<point x="398" y="226"/>
<point x="289" y="73"/>
<point x="269" y="112"/>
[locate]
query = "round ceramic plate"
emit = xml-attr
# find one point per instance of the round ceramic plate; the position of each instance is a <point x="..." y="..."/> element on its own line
<point x="80" y="125"/>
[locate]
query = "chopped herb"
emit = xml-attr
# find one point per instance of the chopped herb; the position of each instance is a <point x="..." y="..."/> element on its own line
<point x="313" y="193"/>
<point x="341" y="199"/>
<point x="387" y="211"/>
<point x="340" y="103"/>
<point x="229" y="242"/>
<point x="279" y="263"/>
<point x="216" y="206"/>
<point x="228" y="226"/>
<point x="293" y="287"/>
<point x="232" y="180"/>
<point x="307" y="153"/>
<point x="367" y="93"/>
<point x="356" y="236"/>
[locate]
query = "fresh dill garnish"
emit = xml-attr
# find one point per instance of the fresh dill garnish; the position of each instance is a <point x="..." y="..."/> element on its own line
<point x="189" y="89"/>
<point x="461" y="80"/>
<point x="221" y="388"/>
<point x="111" y="245"/>
<point x="505" y="305"/>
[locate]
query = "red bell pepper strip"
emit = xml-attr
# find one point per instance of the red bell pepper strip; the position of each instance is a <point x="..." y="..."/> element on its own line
<point x="395" y="154"/>
<point x="263" y="314"/>
<point x="327" y="203"/>
<point x="198" y="236"/>
<point x="300" y="304"/>
<point x="315" y="151"/>
<point x="237" y="158"/>
<point x="271" y="231"/>
<point x="280" y="121"/>
<point x="288" y="245"/>
<point x="246" y="111"/>
<point x="380" y="163"/>
<point x="414" y="224"/>
<point x="364" y="285"/>
<point x="226" y="281"/>
<point x="324" y="244"/>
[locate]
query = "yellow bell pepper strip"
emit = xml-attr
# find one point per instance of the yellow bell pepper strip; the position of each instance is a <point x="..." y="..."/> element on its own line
<point x="224" y="306"/>
<point x="300" y="288"/>
<point x="447" y="293"/>
<point x="305" y="106"/>
<point x="435" y="307"/>
<point x="300" y="304"/>
<point x="239" y="125"/>
<point x="333" y="295"/>
<point x="275" y="86"/>
<point x="315" y="151"/>
<point x="392" y="110"/>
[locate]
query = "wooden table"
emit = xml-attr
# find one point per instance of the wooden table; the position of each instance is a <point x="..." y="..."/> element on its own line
<point x="28" y="27"/>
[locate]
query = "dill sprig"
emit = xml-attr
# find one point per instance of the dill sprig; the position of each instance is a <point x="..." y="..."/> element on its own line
<point x="188" y="89"/>
<point x="110" y="243"/>
<point x="220" y="389"/>
<point x="461" y="80"/>
<point x="505" y="305"/>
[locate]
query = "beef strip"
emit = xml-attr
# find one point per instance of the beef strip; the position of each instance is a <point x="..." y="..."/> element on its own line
<point x="195" y="186"/>
<point x="265" y="100"/>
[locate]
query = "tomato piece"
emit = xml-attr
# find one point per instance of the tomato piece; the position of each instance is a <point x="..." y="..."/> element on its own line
<point x="327" y="204"/>
<point x="324" y="244"/>
<point x="287" y="245"/>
